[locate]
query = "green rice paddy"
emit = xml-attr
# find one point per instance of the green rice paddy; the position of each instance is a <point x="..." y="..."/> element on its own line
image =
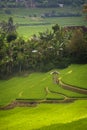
<point x="33" y="23"/>
<point x="46" y="117"/>
<point x="75" y="75"/>
<point x="68" y="116"/>
<point x="34" y="85"/>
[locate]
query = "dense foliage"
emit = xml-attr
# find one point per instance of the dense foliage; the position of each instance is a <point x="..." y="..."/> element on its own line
<point x="85" y="10"/>
<point x="51" y="49"/>
<point x="40" y="3"/>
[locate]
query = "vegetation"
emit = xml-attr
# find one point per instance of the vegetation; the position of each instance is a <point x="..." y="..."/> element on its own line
<point x="35" y="20"/>
<point x="51" y="49"/>
<point x="85" y="9"/>
<point x="40" y="3"/>
<point x="26" y="65"/>
<point x="70" y="75"/>
<point x="80" y="124"/>
<point x="57" y="116"/>
<point x="42" y="86"/>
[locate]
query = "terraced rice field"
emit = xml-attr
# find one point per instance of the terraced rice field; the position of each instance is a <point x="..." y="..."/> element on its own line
<point x="39" y="87"/>
<point x="42" y="86"/>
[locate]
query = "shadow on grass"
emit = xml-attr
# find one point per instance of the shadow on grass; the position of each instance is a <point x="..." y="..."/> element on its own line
<point x="75" y="125"/>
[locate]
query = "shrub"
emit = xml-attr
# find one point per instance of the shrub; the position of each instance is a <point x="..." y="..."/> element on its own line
<point x="11" y="37"/>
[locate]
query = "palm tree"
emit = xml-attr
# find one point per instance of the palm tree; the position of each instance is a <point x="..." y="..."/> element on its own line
<point x="8" y="27"/>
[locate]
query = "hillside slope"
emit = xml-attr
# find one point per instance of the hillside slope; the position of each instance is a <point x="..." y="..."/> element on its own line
<point x="42" y="86"/>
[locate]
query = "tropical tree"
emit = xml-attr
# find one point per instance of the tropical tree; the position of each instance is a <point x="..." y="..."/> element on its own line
<point x="85" y="10"/>
<point x="78" y="46"/>
<point x="8" y="27"/>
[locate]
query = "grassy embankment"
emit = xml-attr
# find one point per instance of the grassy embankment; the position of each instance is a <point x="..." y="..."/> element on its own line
<point x="75" y="75"/>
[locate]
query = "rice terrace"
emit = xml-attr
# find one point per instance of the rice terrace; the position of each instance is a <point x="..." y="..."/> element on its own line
<point x="43" y="65"/>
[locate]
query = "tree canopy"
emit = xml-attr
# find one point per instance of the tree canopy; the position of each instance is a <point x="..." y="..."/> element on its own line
<point x="40" y="3"/>
<point x="85" y="10"/>
<point x="51" y="49"/>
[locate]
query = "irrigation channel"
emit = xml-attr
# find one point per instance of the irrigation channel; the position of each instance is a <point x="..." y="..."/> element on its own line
<point x="34" y="103"/>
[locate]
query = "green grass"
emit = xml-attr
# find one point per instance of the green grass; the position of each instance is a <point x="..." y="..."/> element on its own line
<point x="28" y="31"/>
<point x="46" y="116"/>
<point x="75" y="125"/>
<point x="54" y="96"/>
<point x="39" y="11"/>
<point x="75" y="75"/>
<point x="62" y="116"/>
<point x="31" y="30"/>
<point x="72" y="116"/>
<point x="34" y="85"/>
<point x="22" y="16"/>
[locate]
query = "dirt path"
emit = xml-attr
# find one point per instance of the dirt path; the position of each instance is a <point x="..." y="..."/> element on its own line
<point x="33" y="103"/>
<point x="19" y="104"/>
<point x="72" y="88"/>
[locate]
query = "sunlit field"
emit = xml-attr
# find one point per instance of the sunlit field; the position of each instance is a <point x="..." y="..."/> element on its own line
<point x="29" y="30"/>
<point x="33" y="86"/>
<point x="32" y="22"/>
<point x="52" y="107"/>
<point x="71" y="116"/>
